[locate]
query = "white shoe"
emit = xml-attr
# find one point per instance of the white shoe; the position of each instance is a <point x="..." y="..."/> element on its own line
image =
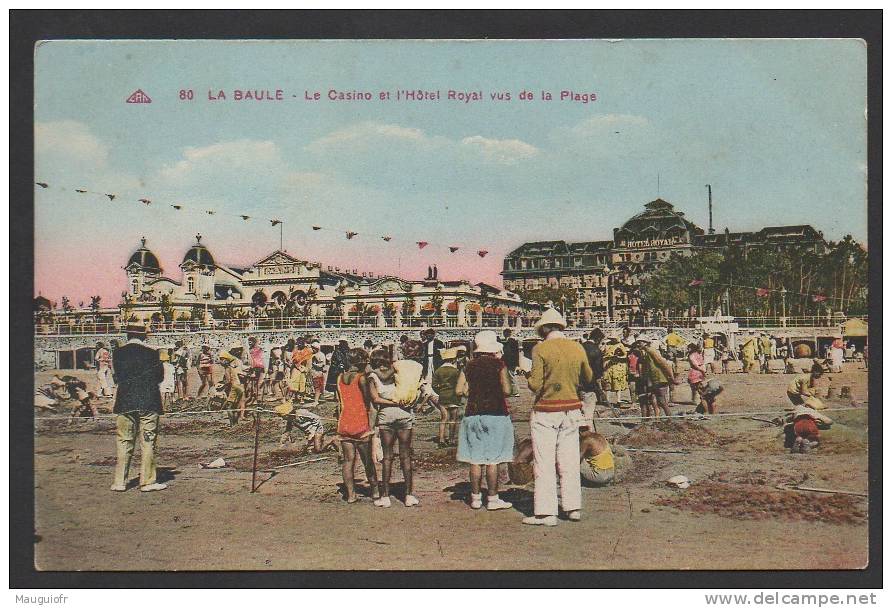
<point x="384" y="501"/>
<point x="153" y="487"/>
<point x="476" y="501"/>
<point x="411" y="501"/>
<point x="118" y="488"/>
<point x="549" y="520"/>
<point x="574" y="516"/>
<point x="495" y="504"/>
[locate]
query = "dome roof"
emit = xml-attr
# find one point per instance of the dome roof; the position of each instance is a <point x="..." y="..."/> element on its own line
<point x="145" y="259"/>
<point x="658" y="220"/>
<point x="198" y="254"/>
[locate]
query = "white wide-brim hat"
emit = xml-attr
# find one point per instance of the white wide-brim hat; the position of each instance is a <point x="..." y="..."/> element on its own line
<point x="551" y="317"/>
<point x="487" y="341"/>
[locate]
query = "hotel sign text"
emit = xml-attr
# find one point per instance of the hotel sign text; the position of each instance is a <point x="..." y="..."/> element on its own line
<point x="651" y="243"/>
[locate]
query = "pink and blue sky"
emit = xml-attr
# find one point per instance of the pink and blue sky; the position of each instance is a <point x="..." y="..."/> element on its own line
<point x="777" y="127"/>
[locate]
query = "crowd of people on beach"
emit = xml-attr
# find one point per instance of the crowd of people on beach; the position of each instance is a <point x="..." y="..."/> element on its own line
<point x="379" y="390"/>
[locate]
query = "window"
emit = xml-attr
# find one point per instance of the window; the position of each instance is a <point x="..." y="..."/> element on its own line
<point x="190" y="285"/>
<point x="134" y="286"/>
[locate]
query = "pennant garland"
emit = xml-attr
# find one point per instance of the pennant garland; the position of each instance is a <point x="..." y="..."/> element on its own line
<point x="696" y="283"/>
<point x="350" y="234"/>
<point x="762" y="292"/>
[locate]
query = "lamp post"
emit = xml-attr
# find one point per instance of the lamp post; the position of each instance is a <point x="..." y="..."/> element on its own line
<point x="207" y="297"/>
<point x="783" y="306"/>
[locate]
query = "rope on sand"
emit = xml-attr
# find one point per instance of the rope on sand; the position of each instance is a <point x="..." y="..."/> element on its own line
<point x="688" y="417"/>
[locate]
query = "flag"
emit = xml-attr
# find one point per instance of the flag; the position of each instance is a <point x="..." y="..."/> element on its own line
<point x="453" y="249"/>
<point x="818" y="297"/>
<point x="146" y="201"/>
<point x="386" y="238"/>
<point x="42" y="185"/>
<point x="111" y="197"/>
<point x="696" y="283"/>
<point x="275" y="222"/>
<point x="762" y="292"/>
<point x="351" y="234"/>
<point x="482" y="253"/>
<point x="317" y="227"/>
<point x="421" y="244"/>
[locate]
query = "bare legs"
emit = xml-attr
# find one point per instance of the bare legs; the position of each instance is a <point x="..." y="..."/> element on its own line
<point x="405" y="439"/>
<point x="353" y="451"/>
<point x="492" y="478"/>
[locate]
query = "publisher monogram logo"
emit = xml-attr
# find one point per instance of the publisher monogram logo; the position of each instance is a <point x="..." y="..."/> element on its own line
<point x="138" y="96"/>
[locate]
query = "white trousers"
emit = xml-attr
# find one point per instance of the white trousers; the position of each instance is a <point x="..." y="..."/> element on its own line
<point x="104" y="376"/>
<point x="556" y="452"/>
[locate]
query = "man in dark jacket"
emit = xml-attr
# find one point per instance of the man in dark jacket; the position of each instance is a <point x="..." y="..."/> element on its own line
<point x="592" y="345"/>
<point x="430" y="353"/>
<point x="138" y="372"/>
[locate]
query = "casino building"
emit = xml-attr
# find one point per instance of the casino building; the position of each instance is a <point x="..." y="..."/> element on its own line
<point x="607" y="274"/>
<point x="281" y="285"/>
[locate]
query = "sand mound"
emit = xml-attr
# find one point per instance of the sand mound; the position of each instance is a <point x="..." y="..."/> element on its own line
<point x="671" y="433"/>
<point x="746" y="501"/>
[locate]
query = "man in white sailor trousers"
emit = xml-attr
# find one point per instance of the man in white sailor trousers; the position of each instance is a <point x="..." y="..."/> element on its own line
<point x="556" y="453"/>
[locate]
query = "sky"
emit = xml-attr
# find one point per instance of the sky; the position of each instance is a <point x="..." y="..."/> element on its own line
<point x="777" y="127"/>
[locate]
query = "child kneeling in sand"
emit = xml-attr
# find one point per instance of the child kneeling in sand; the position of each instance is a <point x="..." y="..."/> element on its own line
<point x="309" y="423"/>
<point x="802" y="429"/>
<point x="597" y="466"/>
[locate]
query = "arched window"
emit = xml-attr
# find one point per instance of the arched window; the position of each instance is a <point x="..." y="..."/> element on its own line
<point x="134" y="286"/>
<point x="190" y="285"/>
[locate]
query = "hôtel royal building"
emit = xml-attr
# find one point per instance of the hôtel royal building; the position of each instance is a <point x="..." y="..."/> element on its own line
<point x="607" y="274"/>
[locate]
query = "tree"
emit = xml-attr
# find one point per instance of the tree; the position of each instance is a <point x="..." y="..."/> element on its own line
<point x="166" y="308"/>
<point x="66" y="304"/>
<point x="437" y="300"/>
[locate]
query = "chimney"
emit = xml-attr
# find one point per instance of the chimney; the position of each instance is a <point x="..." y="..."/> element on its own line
<point x="709" y="190"/>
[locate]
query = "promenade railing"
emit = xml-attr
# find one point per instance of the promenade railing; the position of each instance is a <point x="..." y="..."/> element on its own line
<point x="492" y="321"/>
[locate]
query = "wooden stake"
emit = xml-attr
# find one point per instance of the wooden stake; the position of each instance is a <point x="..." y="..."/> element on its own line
<point x="821" y="490"/>
<point x="256" y="450"/>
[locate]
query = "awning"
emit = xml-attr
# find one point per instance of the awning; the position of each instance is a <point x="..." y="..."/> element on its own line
<point x="855" y="328"/>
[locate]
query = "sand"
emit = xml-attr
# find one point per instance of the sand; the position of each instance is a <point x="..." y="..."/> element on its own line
<point x="733" y="516"/>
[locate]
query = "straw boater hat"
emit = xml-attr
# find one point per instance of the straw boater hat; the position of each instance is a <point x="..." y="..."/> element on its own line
<point x="448" y="353"/>
<point x="551" y="317"/>
<point x="486" y="341"/>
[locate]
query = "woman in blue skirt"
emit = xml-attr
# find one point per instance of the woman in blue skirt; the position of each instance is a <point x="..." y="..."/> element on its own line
<point x="486" y="435"/>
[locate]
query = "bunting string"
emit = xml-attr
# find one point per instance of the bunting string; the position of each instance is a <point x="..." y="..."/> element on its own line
<point x="350" y="234"/>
